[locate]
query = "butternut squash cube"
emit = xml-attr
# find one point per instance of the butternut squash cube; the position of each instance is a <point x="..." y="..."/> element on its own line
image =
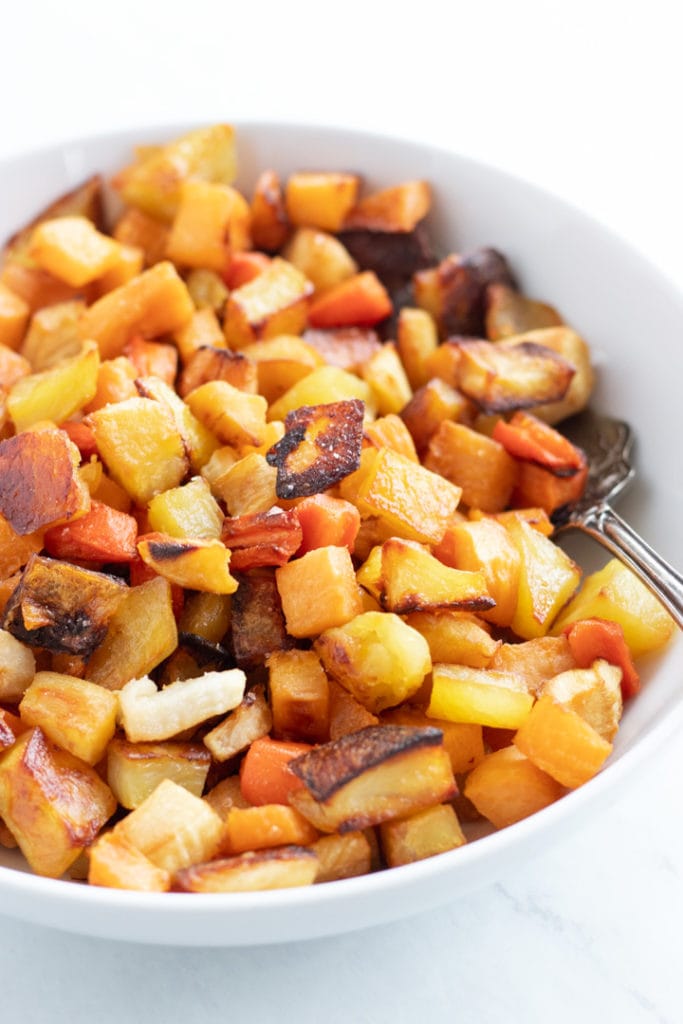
<point x="423" y="834"/>
<point x="476" y="463"/>
<point x="154" y="303"/>
<point x="72" y="249"/>
<point x="139" y="230"/>
<point x="117" y="864"/>
<point x="275" y="302"/>
<point x="318" y="591"/>
<point x="506" y="787"/>
<point x="269" y="225"/>
<point x="263" y="827"/>
<point x="391" y="432"/>
<point x="139" y="442"/>
<point x="320" y="199"/>
<point x="397" y="208"/>
<point x="562" y="743"/>
<point x="130" y="261"/>
<point x="431" y="404"/>
<point x="14" y="316"/>
<point x="299" y="696"/>
<point x="56" y="393"/>
<point x="615" y="592"/>
<point x="77" y="715"/>
<point x="54" y="803"/>
<point x="134" y="770"/>
<point x="482" y="696"/>
<point x="377" y="657"/>
<point x="212" y="221"/>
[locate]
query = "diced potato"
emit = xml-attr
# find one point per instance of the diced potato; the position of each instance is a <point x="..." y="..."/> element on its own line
<point x="14" y="316"/>
<point x="615" y="592"/>
<point x="594" y="693"/>
<point x="318" y="591"/>
<point x="431" y="404"/>
<point x="186" y="511"/>
<point x="141" y="634"/>
<point x="482" y="696"/>
<point x="323" y="386"/>
<point x="486" y="546"/>
<point x="226" y="794"/>
<point x="199" y="442"/>
<point x="365" y="778"/>
<point x="149" y="714"/>
<point x="320" y="199"/>
<point x="216" y="362"/>
<point x="509" y="313"/>
<point x="562" y="743"/>
<point x="386" y="376"/>
<point x="134" y="770"/>
<point x="141" y="446"/>
<point x="114" y="862"/>
<point x="299" y="696"/>
<point x="72" y="249"/>
<point x="17" y="668"/>
<point x="423" y="834"/>
<point x="232" y="415"/>
<point x="172" y="827"/>
<point x="391" y="432"/>
<point x="536" y="660"/>
<point x="77" y="715"/>
<point x="251" y="719"/>
<point x="275" y="302"/>
<point x="548" y="579"/>
<point x="321" y="257"/>
<point x="154" y="184"/>
<point x="54" y="803"/>
<point x="57" y="393"/>
<point x="413" y="579"/>
<point x="455" y="637"/>
<point x="377" y="657"/>
<point x="281" y="362"/>
<point x="202" y="330"/>
<point x="344" y="856"/>
<point x="53" y="334"/>
<point x="40" y="485"/>
<point x="206" y="615"/>
<point x="189" y="562"/>
<point x="506" y="787"/>
<point x="417" y="338"/>
<point x="283" y="868"/>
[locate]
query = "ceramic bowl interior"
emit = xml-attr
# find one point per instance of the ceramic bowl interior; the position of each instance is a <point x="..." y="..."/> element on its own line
<point x="632" y="319"/>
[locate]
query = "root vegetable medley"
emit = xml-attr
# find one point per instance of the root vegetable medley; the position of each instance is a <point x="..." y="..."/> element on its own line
<point x="280" y="603"/>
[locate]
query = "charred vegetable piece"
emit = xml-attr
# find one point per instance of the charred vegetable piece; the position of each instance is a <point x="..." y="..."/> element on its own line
<point x="454" y="291"/>
<point x="39" y="482"/>
<point x="508" y="313"/>
<point x="62" y="607"/>
<point x="263" y="538"/>
<point x="321" y="445"/>
<point x="282" y="868"/>
<point x="503" y="378"/>
<point x="393" y="255"/>
<point x="344" y="347"/>
<point x="374" y="775"/>
<point x="258" y="623"/>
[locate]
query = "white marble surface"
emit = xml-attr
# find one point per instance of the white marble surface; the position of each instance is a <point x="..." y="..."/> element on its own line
<point x="583" y="98"/>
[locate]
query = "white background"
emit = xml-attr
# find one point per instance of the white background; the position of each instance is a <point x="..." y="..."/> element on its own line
<point x="582" y="98"/>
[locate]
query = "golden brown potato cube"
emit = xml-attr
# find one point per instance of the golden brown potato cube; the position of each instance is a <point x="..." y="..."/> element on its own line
<point x="258" y="622"/>
<point x="455" y="637"/>
<point x="374" y="775"/>
<point x="141" y="634"/>
<point x="500" y="378"/>
<point x="320" y="199"/>
<point x="72" y="249"/>
<point x="508" y="312"/>
<point x="117" y="864"/>
<point x="346" y="713"/>
<point x="186" y="511"/>
<point x="211" y="222"/>
<point x="280" y="363"/>
<point x="269" y="224"/>
<point x="594" y="693"/>
<point x="283" y="868"/>
<point x="251" y="719"/>
<point x="299" y="696"/>
<point x="462" y="741"/>
<point x="411" y="500"/>
<point x="246" y="485"/>
<point x="154" y="303"/>
<point x="62" y="607"/>
<point x="202" y="330"/>
<point x="226" y="794"/>
<point x="154" y="182"/>
<point x="346" y="348"/>
<point x="53" y="334"/>
<point x="206" y="616"/>
<point x="481" y="696"/>
<point x="318" y="591"/>
<point x="56" y="393"/>
<point x="321" y="257"/>
<point x="424" y="834"/>
<point x="324" y="386"/>
<point x="199" y="442"/>
<point x="275" y="302"/>
<point x="39" y="481"/>
<point x="172" y="827"/>
<point x="571" y="347"/>
<point x="386" y="376"/>
<point x="54" y="803"/>
<point x="134" y="770"/>
<point x="474" y="462"/>
<point x="417" y="338"/>
<point x="344" y="856"/>
<point x="190" y="562"/>
<point x="377" y="657"/>
<point x="536" y="660"/>
<point x="77" y="715"/>
<point x="485" y="545"/>
<point x="141" y="445"/>
<point x="232" y="415"/>
<point x="14" y="317"/>
<point x="210" y="363"/>
<point x="140" y="231"/>
<point x="431" y="404"/>
<point x="413" y="579"/>
<point x="506" y="787"/>
<point x="321" y="445"/>
<point x="17" y="668"/>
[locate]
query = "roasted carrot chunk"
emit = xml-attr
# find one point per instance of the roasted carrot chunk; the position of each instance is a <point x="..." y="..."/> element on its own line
<point x="590" y="639"/>
<point x="265" y="775"/>
<point x="102" y="535"/>
<point x="361" y="300"/>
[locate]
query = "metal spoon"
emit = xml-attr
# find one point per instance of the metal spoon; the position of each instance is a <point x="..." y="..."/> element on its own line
<point x="608" y="444"/>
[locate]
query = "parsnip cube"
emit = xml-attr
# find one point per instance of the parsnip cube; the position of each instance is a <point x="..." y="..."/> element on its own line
<point x="150" y="714"/>
<point x="344" y="856"/>
<point x="250" y="720"/>
<point x="172" y="827"/>
<point x="377" y="657"/>
<point x="420" y="835"/>
<point x="134" y="770"/>
<point x="77" y="715"/>
<point x="594" y="693"/>
<point x="54" y="803"/>
<point x="246" y="485"/>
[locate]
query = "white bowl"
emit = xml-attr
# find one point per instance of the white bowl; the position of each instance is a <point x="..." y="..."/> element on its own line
<point x="632" y="319"/>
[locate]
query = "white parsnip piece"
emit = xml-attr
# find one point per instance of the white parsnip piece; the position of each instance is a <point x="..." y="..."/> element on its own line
<point x="150" y="714"/>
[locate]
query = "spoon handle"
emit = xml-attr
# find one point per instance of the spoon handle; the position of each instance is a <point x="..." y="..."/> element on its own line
<point x="604" y="525"/>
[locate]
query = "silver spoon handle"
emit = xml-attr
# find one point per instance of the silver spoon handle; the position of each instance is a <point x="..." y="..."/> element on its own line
<point x="610" y="530"/>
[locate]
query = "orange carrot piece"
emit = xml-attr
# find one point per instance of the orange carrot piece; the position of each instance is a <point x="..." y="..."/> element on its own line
<point x="562" y="743"/>
<point x="530" y="439"/>
<point x="102" y="535"/>
<point x="361" y="300"/>
<point x="82" y="436"/>
<point x="244" y="266"/>
<point x="544" y="488"/>
<point x="153" y="358"/>
<point x="590" y="639"/>
<point x="265" y="826"/>
<point x="265" y="775"/>
<point x="327" y="521"/>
